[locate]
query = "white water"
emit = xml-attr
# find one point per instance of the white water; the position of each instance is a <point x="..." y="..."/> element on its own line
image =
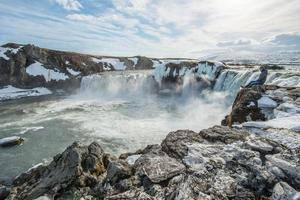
<point x="119" y="110"/>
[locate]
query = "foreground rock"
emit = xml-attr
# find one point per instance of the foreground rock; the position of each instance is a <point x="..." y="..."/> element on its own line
<point x="216" y="163"/>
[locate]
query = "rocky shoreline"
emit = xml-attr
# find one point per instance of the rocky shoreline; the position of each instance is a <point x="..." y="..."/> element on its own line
<point x="216" y="163"/>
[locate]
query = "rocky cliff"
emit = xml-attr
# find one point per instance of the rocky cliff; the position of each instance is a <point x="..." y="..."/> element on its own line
<point x="28" y="66"/>
<point x="216" y="163"/>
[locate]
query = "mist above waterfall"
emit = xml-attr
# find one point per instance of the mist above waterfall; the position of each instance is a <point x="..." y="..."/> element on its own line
<point x="128" y="110"/>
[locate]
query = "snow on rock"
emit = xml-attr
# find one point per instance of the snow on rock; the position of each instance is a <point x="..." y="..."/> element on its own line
<point x="9" y="92"/>
<point x="10" y="141"/>
<point x="289" y="122"/>
<point x="251" y="104"/>
<point x="73" y="72"/>
<point x="266" y="102"/>
<point x="282" y="81"/>
<point x="131" y="159"/>
<point x="67" y="62"/>
<point x="134" y="60"/>
<point x="289" y="108"/>
<point x="115" y="62"/>
<point x="36" y="69"/>
<point x="3" y="50"/>
<point x="207" y="70"/>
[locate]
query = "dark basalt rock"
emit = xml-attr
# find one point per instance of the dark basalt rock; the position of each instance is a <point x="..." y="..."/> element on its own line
<point x="245" y="107"/>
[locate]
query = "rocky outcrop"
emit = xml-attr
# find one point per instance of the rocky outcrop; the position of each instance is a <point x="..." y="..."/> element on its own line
<point x="261" y="103"/>
<point x="216" y="163"/>
<point x="245" y="107"/>
<point x="16" y="58"/>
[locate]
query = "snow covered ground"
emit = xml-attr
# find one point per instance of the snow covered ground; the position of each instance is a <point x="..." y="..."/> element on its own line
<point x="36" y="69"/>
<point x="9" y="92"/>
<point x="114" y="62"/>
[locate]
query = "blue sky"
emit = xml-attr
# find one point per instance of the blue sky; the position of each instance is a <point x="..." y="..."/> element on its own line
<point x="157" y="28"/>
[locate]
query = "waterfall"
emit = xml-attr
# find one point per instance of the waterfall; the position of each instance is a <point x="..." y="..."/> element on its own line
<point x="118" y="84"/>
<point x="185" y="78"/>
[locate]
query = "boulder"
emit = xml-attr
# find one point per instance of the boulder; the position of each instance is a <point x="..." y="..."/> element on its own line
<point x="245" y="107"/>
<point x="11" y="141"/>
<point x="158" y="167"/>
<point x="175" y="144"/>
<point x="282" y="191"/>
<point x="4" y="192"/>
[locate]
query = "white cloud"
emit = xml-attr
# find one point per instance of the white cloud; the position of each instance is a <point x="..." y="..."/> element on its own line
<point x="70" y="4"/>
<point x="238" y="42"/>
<point x="285" y="39"/>
<point x="171" y="28"/>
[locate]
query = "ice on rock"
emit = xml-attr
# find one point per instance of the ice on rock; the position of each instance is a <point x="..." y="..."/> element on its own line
<point x="36" y="69"/>
<point x="266" y="102"/>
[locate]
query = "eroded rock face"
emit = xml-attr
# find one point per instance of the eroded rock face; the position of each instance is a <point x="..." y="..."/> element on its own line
<point x="216" y="163"/>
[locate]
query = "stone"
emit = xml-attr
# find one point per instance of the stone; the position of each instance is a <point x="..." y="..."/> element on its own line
<point x="77" y="166"/>
<point x="118" y="170"/>
<point x="4" y="192"/>
<point x="259" y="145"/>
<point x="158" y="168"/>
<point x="282" y="191"/>
<point x="175" y="144"/>
<point x="11" y="141"/>
<point x="223" y="134"/>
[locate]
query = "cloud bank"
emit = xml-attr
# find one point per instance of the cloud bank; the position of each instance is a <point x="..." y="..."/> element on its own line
<point x="158" y="28"/>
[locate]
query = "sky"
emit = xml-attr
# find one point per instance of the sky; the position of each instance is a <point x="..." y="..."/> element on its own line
<point x="155" y="28"/>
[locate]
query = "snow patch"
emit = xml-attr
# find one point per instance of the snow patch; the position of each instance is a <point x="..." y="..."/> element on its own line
<point x="266" y="102"/>
<point x="9" y="92"/>
<point x="73" y="72"/>
<point x="290" y="122"/>
<point x="37" y="69"/>
<point x="251" y="104"/>
<point x="293" y="81"/>
<point x="131" y="159"/>
<point x="115" y="62"/>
